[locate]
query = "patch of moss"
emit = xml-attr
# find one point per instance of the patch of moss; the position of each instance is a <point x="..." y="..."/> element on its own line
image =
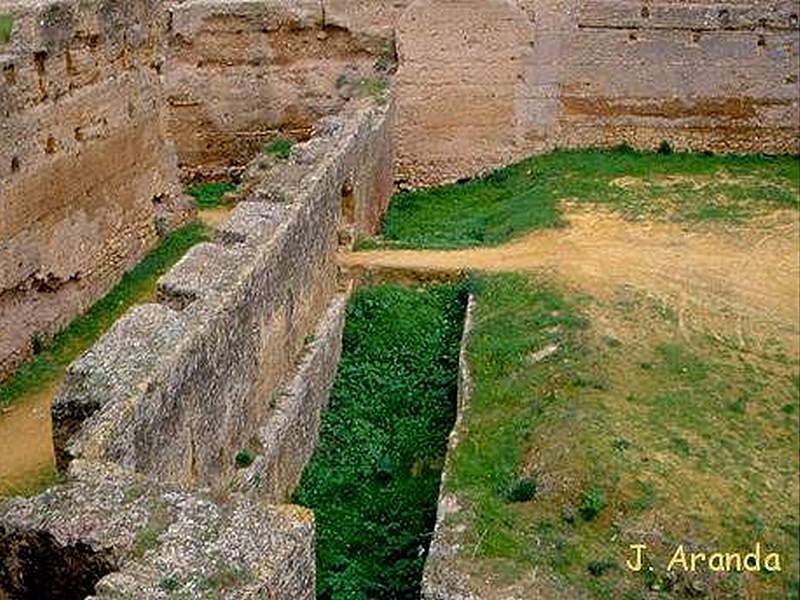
<point x="280" y="148"/>
<point x="210" y="195"/>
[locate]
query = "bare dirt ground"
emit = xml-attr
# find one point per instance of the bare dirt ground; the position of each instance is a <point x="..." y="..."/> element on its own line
<point x="740" y="281"/>
<point x="29" y="457"/>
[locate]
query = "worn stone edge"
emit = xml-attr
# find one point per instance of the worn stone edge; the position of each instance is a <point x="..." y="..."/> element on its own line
<point x="439" y="581"/>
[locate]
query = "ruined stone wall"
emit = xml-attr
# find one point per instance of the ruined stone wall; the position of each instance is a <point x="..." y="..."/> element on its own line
<point x="111" y="534"/>
<point x="481" y="84"/>
<point x="240" y="74"/>
<point x="87" y="176"/>
<point x="175" y="390"/>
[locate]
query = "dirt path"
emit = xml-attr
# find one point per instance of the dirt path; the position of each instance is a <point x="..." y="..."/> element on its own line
<point x="740" y="281"/>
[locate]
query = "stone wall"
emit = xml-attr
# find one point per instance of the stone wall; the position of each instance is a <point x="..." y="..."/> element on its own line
<point x="242" y="73"/>
<point x="112" y="534"/>
<point x="175" y="390"/>
<point x="461" y="88"/>
<point x="481" y="84"/>
<point x="443" y="578"/>
<point x="239" y="354"/>
<point x="88" y="179"/>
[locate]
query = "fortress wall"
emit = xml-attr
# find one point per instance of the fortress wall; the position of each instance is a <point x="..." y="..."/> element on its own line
<point x="176" y="390"/>
<point x="719" y="76"/>
<point x="241" y="73"/>
<point x="88" y="179"/>
<point x="482" y="84"/>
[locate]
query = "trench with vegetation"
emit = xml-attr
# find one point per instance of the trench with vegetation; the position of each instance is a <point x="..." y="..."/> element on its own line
<point x="597" y="423"/>
<point x="373" y="483"/>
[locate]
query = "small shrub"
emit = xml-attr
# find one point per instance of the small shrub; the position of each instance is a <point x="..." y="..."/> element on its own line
<point x="37" y="344"/>
<point x="601" y="567"/>
<point x="169" y="584"/>
<point x="370" y="87"/>
<point x="592" y="504"/>
<point x="621" y="444"/>
<point x="665" y="148"/>
<point x="280" y="148"/>
<point x="6" y="27"/>
<point x="341" y="81"/>
<point x="522" y="489"/>
<point x="624" y="148"/>
<point x="681" y="447"/>
<point x="244" y="459"/>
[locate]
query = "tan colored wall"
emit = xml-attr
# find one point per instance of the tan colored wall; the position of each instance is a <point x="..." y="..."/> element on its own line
<point x="460" y="88"/>
<point x="705" y="75"/>
<point x="702" y="75"/>
<point x="239" y="74"/>
<point x="87" y="176"/>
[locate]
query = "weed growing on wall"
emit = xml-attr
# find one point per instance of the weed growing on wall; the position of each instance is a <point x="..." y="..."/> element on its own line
<point x="6" y="27"/>
<point x="280" y="148"/>
<point x="210" y="195"/>
<point x="662" y="185"/>
<point x="138" y="285"/>
<point x="374" y="480"/>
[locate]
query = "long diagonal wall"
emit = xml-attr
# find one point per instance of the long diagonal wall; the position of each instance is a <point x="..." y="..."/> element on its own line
<point x="240" y="354"/>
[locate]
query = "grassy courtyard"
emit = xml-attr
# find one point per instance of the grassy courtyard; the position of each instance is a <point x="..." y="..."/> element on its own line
<point x="527" y="196"/>
<point x="636" y="369"/>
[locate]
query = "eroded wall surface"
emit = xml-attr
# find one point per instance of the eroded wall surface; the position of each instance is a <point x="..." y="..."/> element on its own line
<point x="87" y="175"/>
<point x="510" y="78"/>
<point x="111" y="534"/>
<point x="242" y="73"/>
<point x="175" y="390"/>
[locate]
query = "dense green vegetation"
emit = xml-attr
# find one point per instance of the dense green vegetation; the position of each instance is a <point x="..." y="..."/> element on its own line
<point x="631" y="432"/>
<point x="280" y="148"/>
<point x="374" y="481"/>
<point x="210" y="195"/>
<point x="529" y="195"/>
<point x="136" y="286"/>
<point x="6" y="27"/>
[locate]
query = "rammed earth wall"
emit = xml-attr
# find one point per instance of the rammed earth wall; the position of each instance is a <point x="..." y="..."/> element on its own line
<point x="519" y="77"/>
<point x="241" y="73"/>
<point x="88" y="178"/>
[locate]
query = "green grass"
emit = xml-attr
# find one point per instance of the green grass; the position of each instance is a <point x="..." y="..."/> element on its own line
<point x="374" y="480"/>
<point x="655" y="439"/>
<point x="528" y="196"/>
<point x="136" y="286"/>
<point x="280" y="148"/>
<point x="6" y="27"/>
<point x="210" y="195"/>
